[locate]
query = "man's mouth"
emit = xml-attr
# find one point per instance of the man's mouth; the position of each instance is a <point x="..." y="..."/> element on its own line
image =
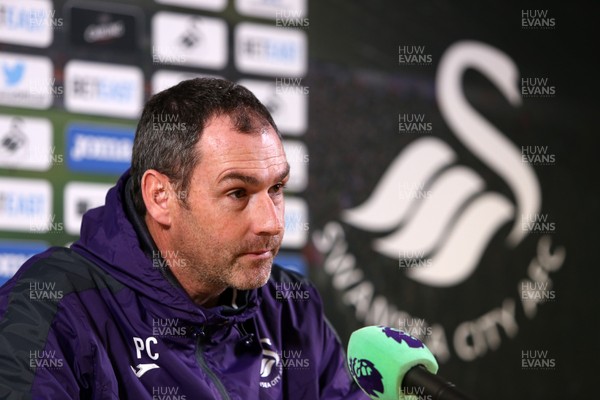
<point x="259" y="254"/>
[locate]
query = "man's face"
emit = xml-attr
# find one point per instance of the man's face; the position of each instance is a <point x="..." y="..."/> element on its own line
<point x="234" y="223"/>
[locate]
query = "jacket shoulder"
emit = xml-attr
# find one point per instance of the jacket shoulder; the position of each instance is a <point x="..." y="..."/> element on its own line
<point x="54" y="274"/>
<point x="35" y="317"/>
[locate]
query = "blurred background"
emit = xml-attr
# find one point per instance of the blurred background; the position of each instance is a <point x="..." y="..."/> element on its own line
<point x="442" y="157"/>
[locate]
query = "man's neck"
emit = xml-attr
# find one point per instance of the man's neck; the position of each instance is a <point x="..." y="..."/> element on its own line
<point x="202" y="294"/>
<point x="199" y="293"/>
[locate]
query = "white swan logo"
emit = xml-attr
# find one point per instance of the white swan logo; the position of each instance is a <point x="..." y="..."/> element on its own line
<point x="453" y="224"/>
<point x="270" y="365"/>
<point x="269" y="360"/>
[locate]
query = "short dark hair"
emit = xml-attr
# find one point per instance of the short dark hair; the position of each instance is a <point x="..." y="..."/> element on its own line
<point x="172" y="123"/>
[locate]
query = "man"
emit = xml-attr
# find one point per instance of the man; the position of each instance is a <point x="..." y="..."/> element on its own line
<point x="170" y="291"/>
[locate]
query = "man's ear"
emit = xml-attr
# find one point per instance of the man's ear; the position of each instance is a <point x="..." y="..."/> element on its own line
<point x="155" y="191"/>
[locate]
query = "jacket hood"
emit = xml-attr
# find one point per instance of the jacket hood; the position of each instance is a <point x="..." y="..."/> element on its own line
<point x="116" y="238"/>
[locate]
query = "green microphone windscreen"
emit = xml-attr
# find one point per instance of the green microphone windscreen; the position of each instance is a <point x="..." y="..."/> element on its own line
<point x="380" y="356"/>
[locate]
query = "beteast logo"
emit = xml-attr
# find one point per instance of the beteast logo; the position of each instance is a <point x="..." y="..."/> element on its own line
<point x="25" y="203"/>
<point x="28" y="22"/>
<point x="457" y="200"/>
<point x="146" y="345"/>
<point x="266" y="50"/>
<point x="103" y="89"/>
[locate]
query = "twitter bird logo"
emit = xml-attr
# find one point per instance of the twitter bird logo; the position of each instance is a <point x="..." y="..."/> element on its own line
<point x="13" y="74"/>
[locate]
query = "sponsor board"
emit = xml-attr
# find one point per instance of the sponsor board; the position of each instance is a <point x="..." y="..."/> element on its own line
<point x="26" y="81"/>
<point x="292" y="261"/>
<point x="95" y="27"/>
<point x="212" y="5"/>
<point x="103" y="89"/>
<point x="28" y="22"/>
<point x="193" y="40"/>
<point x="26" y="143"/>
<point x="98" y="148"/>
<point x="80" y="197"/>
<point x="296" y="223"/>
<point x="272" y="51"/>
<point x="13" y="254"/>
<point x="297" y="156"/>
<point x="289" y="109"/>
<point x="25" y="205"/>
<point x="164" y="79"/>
<point x="271" y="9"/>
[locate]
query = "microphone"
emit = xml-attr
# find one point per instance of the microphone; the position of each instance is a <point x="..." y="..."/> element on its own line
<point x="388" y="364"/>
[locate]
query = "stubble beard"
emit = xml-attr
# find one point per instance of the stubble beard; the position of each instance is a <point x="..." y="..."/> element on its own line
<point x="215" y="267"/>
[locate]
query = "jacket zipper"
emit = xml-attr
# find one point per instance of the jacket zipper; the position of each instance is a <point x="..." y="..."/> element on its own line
<point x="208" y="371"/>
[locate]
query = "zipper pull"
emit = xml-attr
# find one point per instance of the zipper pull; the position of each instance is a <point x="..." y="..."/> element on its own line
<point x="199" y="334"/>
<point x="248" y="339"/>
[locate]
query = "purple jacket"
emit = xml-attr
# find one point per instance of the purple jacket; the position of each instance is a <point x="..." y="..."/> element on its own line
<point x="106" y="320"/>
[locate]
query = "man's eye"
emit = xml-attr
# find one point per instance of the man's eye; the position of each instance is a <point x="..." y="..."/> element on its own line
<point x="237" y="194"/>
<point x="278" y="188"/>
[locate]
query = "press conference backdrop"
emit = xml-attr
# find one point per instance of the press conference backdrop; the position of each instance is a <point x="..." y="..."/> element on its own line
<point x="442" y="157"/>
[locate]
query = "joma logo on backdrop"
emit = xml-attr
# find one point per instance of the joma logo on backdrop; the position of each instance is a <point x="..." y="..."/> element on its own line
<point x="454" y="224"/>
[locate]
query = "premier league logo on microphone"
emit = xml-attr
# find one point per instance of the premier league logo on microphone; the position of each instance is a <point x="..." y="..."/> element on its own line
<point x="400" y="337"/>
<point x="367" y="376"/>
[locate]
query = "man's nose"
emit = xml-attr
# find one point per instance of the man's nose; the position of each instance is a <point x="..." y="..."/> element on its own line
<point x="266" y="216"/>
